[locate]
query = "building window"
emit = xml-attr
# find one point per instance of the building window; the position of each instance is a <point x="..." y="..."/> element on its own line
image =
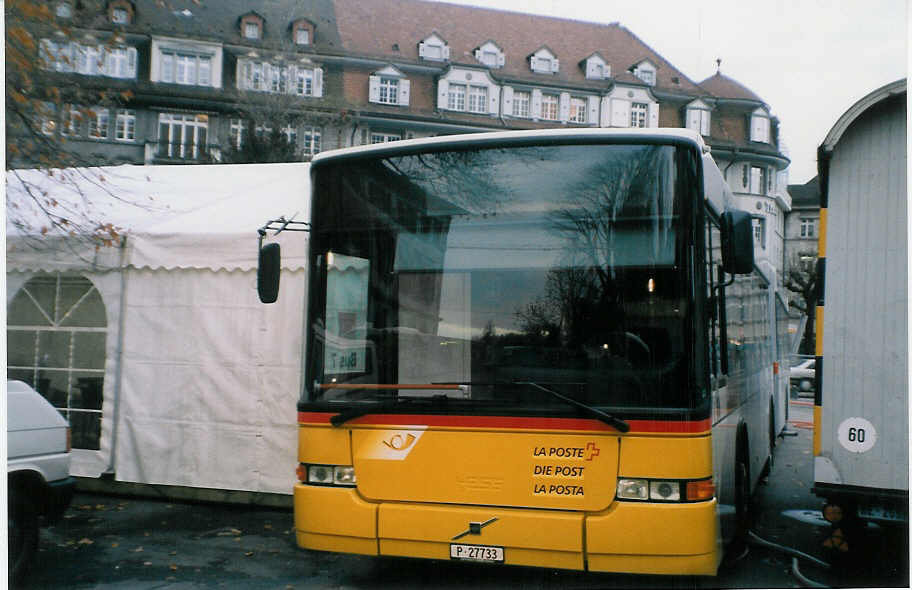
<point x="302" y="36"/>
<point x="808" y="227"/>
<point x="186" y="68"/>
<point x="89" y="60"/>
<point x="389" y="91"/>
<point x="647" y="76"/>
<point x="47" y="113"/>
<point x="56" y="342"/>
<point x="125" y="125"/>
<point x="120" y="16"/>
<point x="385" y="137"/>
<point x="478" y="99"/>
<point x="757" y="180"/>
<point x="760" y="126"/>
<point x="310" y="143"/>
<point x="578" y="110"/>
<point x="72" y="117"/>
<point x="290" y="133"/>
<point x="639" y="114"/>
<point x="251" y="30"/>
<point x="521" y="103"/>
<point x="760" y="232"/>
<point x="182" y="136"/>
<point x="698" y="120"/>
<point x="99" y="123"/>
<point x="489" y="58"/>
<point x="304" y="82"/>
<point x="64" y="10"/>
<point x="550" y="107"/>
<point x="237" y="131"/>
<point x="456" y="99"/>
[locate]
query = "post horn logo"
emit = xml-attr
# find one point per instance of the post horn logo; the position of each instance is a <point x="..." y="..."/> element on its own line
<point x="397" y="442"/>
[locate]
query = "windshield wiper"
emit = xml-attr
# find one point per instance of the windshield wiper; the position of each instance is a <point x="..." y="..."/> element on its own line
<point x="379" y="407"/>
<point x="591" y="411"/>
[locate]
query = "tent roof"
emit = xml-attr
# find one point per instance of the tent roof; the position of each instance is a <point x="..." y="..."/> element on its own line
<point x="173" y="216"/>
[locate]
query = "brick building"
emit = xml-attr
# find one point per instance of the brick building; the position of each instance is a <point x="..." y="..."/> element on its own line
<point x="349" y="72"/>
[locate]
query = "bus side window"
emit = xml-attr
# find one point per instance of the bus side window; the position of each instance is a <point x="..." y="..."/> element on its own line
<point x="716" y="299"/>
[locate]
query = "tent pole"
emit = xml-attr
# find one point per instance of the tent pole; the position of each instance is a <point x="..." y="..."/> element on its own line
<point x="118" y="374"/>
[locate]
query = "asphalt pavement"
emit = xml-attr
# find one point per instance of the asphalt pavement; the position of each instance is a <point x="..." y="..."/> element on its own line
<point x="120" y="542"/>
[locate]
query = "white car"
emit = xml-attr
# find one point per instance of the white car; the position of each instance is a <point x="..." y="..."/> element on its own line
<point x="38" y="471"/>
<point x="802" y="375"/>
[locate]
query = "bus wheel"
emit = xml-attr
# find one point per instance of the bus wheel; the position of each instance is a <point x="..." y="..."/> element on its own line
<point x="743" y="515"/>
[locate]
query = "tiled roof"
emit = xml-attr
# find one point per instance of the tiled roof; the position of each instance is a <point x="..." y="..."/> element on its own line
<point x="376" y="27"/>
<point x="724" y="87"/>
<point x="218" y="20"/>
<point x="805" y="195"/>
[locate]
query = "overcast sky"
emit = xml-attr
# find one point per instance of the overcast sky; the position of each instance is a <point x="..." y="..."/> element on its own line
<point x="810" y="60"/>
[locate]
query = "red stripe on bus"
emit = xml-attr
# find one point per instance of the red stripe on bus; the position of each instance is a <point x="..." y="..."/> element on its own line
<point x="658" y="426"/>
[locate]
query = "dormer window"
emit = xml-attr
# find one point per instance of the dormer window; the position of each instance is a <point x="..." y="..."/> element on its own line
<point x="596" y="67"/>
<point x="645" y="71"/>
<point x="544" y="61"/>
<point x="64" y="10"/>
<point x="302" y="32"/>
<point x="120" y="12"/>
<point x="760" y="126"/>
<point x="698" y="117"/>
<point x="434" y="48"/>
<point x="389" y="86"/>
<point x="252" y="26"/>
<point x="490" y="55"/>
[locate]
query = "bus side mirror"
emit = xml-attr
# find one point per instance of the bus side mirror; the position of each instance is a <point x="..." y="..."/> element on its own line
<point x="268" y="266"/>
<point x="737" y="242"/>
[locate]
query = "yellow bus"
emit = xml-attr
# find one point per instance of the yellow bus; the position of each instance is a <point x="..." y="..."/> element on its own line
<point x="547" y="348"/>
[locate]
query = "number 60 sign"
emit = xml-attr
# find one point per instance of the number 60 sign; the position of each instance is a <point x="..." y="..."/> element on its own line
<point x="857" y="435"/>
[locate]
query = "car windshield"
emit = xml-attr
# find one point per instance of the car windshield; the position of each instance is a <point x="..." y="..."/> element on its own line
<point x="468" y="274"/>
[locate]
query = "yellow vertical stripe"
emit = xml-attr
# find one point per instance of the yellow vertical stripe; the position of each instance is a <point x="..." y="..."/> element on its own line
<point x="822" y="234"/>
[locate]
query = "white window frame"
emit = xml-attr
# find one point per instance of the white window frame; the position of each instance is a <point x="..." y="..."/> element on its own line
<point x="71" y="117"/>
<point x="550" y="107"/>
<point x="302" y="33"/>
<point x="522" y="104"/>
<point x="237" y="132"/>
<point x="758" y="180"/>
<point x="251" y="30"/>
<point x="760" y="126"/>
<point x="477" y="99"/>
<point x="186" y="68"/>
<point x="389" y="90"/>
<point x="125" y="125"/>
<point x="310" y="140"/>
<point x="579" y="109"/>
<point x="120" y="16"/>
<point x="180" y="147"/>
<point x="383" y="137"/>
<point x="100" y="123"/>
<point x="808" y="227"/>
<point x="699" y="119"/>
<point x="639" y="114"/>
<point x="456" y="97"/>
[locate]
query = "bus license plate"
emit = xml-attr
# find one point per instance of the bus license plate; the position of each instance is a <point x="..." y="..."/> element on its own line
<point x="476" y="552"/>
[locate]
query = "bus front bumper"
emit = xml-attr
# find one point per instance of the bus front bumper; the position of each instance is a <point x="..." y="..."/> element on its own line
<point x="647" y="538"/>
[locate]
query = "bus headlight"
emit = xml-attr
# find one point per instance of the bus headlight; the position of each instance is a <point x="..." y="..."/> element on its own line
<point x="633" y="489"/>
<point x="665" y="490"/>
<point x="328" y="475"/>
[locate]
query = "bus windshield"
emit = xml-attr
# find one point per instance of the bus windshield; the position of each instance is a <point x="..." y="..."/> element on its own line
<point x="494" y="275"/>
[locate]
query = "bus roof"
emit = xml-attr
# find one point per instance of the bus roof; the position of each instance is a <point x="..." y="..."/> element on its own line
<point x="653" y="135"/>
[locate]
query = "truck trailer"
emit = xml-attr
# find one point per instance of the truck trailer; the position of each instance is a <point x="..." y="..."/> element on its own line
<point x="861" y="407"/>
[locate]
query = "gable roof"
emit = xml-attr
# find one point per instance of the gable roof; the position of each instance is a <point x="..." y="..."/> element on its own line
<point x="373" y="28"/>
<point x="805" y="195"/>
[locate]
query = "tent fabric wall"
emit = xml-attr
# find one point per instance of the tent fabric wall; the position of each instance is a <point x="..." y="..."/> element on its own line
<point x="203" y="391"/>
<point x="212" y="400"/>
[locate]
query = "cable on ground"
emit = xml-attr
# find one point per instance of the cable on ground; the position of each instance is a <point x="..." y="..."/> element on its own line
<point x="755" y="539"/>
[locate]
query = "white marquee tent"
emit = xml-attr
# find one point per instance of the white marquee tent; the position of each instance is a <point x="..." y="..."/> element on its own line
<point x="200" y="379"/>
